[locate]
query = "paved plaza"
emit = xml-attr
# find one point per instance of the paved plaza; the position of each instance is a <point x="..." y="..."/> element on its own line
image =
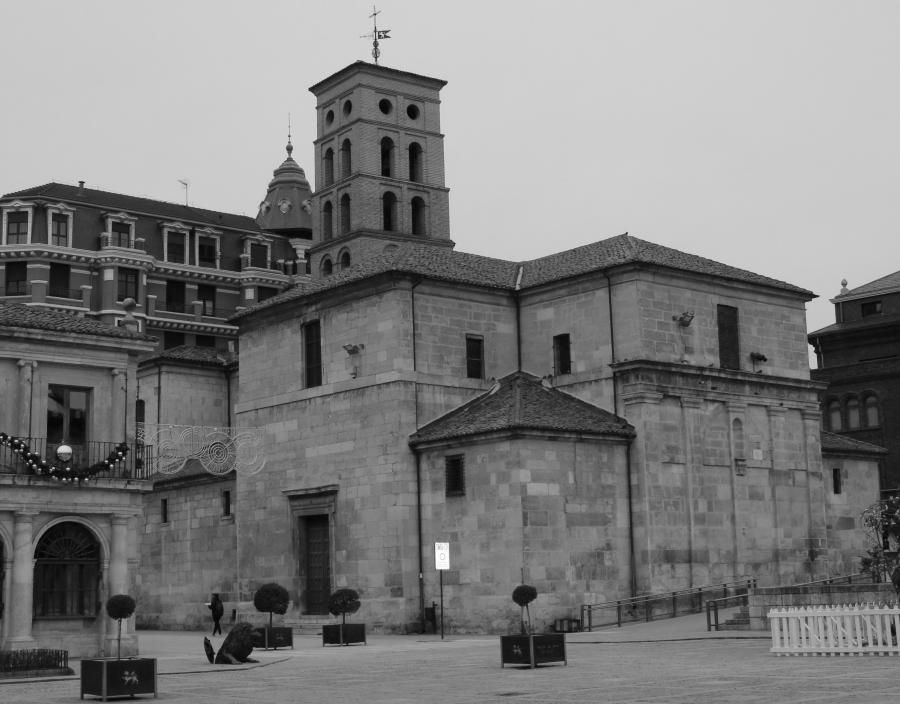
<point x="673" y="661"/>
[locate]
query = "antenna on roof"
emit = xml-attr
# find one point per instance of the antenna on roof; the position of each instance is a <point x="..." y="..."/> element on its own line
<point x="184" y="182"/>
<point x="376" y="34"/>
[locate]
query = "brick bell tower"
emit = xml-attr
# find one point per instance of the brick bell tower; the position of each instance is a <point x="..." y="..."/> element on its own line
<point x="379" y="156"/>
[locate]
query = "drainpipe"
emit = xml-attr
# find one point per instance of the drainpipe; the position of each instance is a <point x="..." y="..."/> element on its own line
<point x="419" y="541"/>
<point x="518" y="317"/>
<point x="612" y="341"/>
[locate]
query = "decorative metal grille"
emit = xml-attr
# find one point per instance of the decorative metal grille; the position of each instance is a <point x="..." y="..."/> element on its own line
<point x="219" y="450"/>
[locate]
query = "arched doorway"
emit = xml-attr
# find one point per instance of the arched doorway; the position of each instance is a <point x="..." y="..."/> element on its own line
<point x="66" y="573"/>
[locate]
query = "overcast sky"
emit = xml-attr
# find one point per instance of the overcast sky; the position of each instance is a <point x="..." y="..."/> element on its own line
<point x="761" y="133"/>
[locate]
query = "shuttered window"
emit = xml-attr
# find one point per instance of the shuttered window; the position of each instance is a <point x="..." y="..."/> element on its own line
<point x="729" y="345"/>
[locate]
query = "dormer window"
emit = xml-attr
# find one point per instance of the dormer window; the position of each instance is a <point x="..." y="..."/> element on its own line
<point x="870" y="308"/>
<point x="120" y="230"/>
<point x="208" y="252"/>
<point x="259" y="255"/>
<point x="175" y="247"/>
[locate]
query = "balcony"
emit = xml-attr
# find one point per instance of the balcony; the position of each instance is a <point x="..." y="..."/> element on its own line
<point x="135" y="465"/>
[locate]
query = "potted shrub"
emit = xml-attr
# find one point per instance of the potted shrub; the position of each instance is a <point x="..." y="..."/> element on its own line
<point x="108" y="677"/>
<point x="527" y="648"/>
<point x="272" y="598"/>
<point x="341" y="603"/>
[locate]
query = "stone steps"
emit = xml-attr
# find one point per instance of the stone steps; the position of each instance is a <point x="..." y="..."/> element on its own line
<point x="309" y="624"/>
<point x="739" y="621"/>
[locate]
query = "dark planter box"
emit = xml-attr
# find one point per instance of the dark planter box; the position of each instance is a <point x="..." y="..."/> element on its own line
<point x="275" y="637"/>
<point x="337" y="634"/>
<point x="108" y="677"/>
<point x="533" y="650"/>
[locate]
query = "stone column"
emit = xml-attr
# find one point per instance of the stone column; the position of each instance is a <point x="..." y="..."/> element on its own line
<point x="26" y="397"/>
<point x="22" y="583"/>
<point x="6" y="597"/>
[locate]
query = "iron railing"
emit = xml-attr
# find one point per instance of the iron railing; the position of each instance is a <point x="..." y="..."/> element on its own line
<point x="648" y="607"/>
<point x="136" y="464"/>
<point x="738" y="600"/>
<point x="36" y="659"/>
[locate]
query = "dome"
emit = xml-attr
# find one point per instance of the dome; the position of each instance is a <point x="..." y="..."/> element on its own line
<point x="286" y="207"/>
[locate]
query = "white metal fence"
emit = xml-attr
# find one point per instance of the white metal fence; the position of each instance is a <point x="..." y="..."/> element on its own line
<point x="856" y="629"/>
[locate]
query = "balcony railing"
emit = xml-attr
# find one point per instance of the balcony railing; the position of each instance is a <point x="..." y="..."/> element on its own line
<point x="65" y="293"/>
<point x="135" y="465"/>
<point x="16" y="288"/>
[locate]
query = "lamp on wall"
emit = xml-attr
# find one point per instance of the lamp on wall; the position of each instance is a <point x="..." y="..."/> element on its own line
<point x="684" y="320"/>
<point x="353" y="349"/>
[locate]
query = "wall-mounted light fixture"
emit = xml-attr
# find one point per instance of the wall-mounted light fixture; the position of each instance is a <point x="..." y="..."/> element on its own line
<point x="684" y="320"/>
<point x="353" y="349"/>
<point x="758" y="357"/>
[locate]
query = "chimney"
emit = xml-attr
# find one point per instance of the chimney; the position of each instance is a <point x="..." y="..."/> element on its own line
<point x="81" y="188"/>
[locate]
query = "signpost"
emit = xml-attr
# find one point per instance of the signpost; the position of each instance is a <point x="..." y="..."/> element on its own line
<point x="441" y="563"/>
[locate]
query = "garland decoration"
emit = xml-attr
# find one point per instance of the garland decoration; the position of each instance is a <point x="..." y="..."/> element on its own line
<point x="61" y="471"/>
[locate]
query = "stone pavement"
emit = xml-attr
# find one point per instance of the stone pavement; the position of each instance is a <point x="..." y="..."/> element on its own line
<point x="672" y="661"/>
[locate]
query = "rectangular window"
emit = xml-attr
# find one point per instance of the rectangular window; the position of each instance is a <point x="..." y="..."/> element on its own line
<point x="312" y="347"/>
<point x="729" y="344"/>
<point x="264" y="292"/>
<point x="176" y="248"/>
<point x="474" y="357"/>
<point x="455" y="475"/>
<point x="206" y="294"/>
<point x="17" y="228"/>
<point x="163" y="510"/>
<point x="562" y="355"/>
<point x="837" y="480"/>
<point x="128" y="284"/>
<point x="259" y="256"/>
<point x="175" y="297"/>
<point x="120" y="235"/>
<point x="59" y="281"/>
<point x="205" y="340"/>
<point x="226" y="503"/>
<point x="172" y="339"/>
<point x="206" y="252"/>
<point x="67" y="416"/>
<point x="870" y="308"/>
<point x="16" y="278"/>
<point x="59" y="230"/>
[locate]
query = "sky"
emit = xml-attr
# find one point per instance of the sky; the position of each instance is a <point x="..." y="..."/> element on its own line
<point x="764" y="134"/>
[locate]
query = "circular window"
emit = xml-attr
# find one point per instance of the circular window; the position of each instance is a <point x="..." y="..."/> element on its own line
<point x="348" y="107"/>
<point x="385" y="106"/>
<point x="329" y="117"/>
<point x="413" y="112"/>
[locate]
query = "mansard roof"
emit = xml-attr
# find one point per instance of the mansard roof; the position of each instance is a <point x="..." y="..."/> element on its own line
<point x="836" y="443"/>
<point x="520" y="402"/>
<point x="443" y="264"/>
<point x="137" y="205"/>
<point x="19" y="315"/>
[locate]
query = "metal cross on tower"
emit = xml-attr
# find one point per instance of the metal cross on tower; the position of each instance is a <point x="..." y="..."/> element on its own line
<point x="376" y="34"/>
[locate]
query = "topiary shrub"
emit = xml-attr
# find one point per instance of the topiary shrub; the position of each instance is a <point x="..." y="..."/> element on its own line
<point x="343" y="602"/>
<point x="119" y="606"/>
<point x="523" y="595"/>
<point x="271" y="598"/>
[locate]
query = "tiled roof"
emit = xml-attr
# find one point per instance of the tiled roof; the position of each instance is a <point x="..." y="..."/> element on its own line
<point x="886" y="284"/>
<point x="197" y="355"/>
<point x="835" y="442"/>
<point x="18" y="315"/>
<point x="445" y="264"/>
<point x="875" y="322"/>
<point x="625" y="249"/>
<point x="135" y="204"/>
<point x="519" y="401"/>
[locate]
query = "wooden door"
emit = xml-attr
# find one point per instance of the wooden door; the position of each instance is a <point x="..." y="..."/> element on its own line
<point x="316" y="562"/>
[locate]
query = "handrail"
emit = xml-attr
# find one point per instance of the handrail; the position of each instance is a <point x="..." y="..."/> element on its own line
<point x="691" y="601"/>
<point x="712" y="606"/>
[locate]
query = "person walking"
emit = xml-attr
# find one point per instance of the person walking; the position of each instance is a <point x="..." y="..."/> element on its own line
<point x="217" y="608"/>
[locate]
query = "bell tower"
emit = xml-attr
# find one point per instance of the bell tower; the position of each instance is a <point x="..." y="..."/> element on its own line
<point x="379" y="156"/>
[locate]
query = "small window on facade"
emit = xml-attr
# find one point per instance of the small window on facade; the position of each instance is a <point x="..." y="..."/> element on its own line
<point x="68" y="411"/>
<point x="419" y="216"/>
<point x="474" y="357"/>
<point x="59" y="230"/>
<point x="870" y="308"/>
<point x="836" y="480"/>
<point x="127" y="284"/>
<point x="327" y="221"/>
<point x="729" y="345"/>
<point x="328" y="167"/>
<point x="206" y="252"/>
<point x="455" y="475"/>
<point x="175" y="297"/>
<point x="562" y="355"/>
<point x="206" y="294"/>
<point x="226" y="503"/>
<point x="345" y="214"/>
<point x="259" y="256"/>
<point x="415" y="162"/>
<point x="163" y="510"/>
<point x="16" y="278"/>
<point x="389" y="211"/>
<point x="834" y="417"/>
<point x="345" y="260"/>
<point x="327" y="267"/>
<point x="852" y="413"/>
<point x="176" y="248"/>
<point x="120" y="234"/>
<point x="17" y="228"/>
<point x="345" y="159"/>
<point x="312" y="347"/>
<point x="387" y="157"/>
<point x="872" y="417"/>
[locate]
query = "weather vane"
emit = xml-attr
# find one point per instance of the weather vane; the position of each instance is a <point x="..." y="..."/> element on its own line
<point x="376" y="34"/>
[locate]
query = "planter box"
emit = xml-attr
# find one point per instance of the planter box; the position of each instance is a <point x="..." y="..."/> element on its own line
<point x="108" y="677"/>
<point x="337" y="634"/>
<point x="533" y="650"/>
<point x="274" y="637"/>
